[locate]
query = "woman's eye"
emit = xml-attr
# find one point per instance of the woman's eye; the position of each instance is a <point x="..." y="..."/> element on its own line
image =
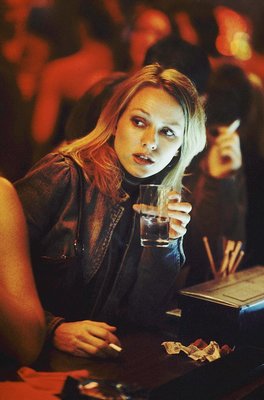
<point x="167" y="132"/>
<point x="139" y="122"/>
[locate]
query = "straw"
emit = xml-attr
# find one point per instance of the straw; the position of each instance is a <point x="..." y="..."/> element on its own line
<point x="234" y="255"/>
<point x="225" y="263"/>
<point x="209" y="255"/>
<point x="231" y="259"/>
<point x="241" y="255"/>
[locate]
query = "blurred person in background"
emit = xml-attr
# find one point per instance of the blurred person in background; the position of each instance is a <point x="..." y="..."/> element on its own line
<point x="197" y="25"/>
<point x="27" y="51"/>
<point x="15" y="145"/>
<point x="56" y="21"/>
<point x="84" y="115"/>
<point x="64" y="80"/>
<point x="232" y="94"/>
<point x="145" y="26"/>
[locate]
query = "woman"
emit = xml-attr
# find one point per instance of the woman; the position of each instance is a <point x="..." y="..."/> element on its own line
<point x="83" y="229"/>
<point x="21" y="316"/>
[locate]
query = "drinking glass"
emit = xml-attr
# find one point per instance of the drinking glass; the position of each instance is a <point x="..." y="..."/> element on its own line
<point x="154" y="220"/>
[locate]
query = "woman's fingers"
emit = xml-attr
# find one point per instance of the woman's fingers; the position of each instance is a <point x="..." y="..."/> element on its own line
<point x="99" y="337"/>
<point x="177" y="211"/>
<point x="179" y="218"/>
<point x="84" y="338"/>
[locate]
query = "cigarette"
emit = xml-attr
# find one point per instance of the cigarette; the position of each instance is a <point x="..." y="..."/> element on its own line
<point x="233" y="127"/>
<point x="115" y="347"/>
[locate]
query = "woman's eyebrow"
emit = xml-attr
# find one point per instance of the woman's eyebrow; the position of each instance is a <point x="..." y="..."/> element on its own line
<point x="141" y="110"/>
<point x="173" y="123"/>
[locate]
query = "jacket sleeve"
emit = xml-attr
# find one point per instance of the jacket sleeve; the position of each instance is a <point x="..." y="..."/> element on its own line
<point x="155" y="285"/>
<point x="42" y="193"/>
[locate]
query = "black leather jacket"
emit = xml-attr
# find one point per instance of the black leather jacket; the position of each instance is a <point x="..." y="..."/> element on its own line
<point x="144" y="280"/>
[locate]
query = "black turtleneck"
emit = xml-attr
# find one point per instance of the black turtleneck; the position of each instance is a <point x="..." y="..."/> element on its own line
<point x="131" y="183"/>
<point x="105" y="278"/>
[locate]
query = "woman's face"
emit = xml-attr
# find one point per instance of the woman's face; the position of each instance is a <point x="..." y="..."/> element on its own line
<point x="149" y="133"/>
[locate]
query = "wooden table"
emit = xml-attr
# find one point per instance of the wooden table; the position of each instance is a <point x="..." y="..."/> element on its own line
<point x="145" y="362"/>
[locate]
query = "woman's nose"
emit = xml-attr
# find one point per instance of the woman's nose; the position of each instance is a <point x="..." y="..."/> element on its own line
<point x="149" y="139"/>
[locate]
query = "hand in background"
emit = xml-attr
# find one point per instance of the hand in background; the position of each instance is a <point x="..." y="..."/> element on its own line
<point x="86" y="338"/>
<point x="224" y="155"/>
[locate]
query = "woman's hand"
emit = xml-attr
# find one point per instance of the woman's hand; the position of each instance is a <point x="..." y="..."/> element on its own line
<point x="86" y="338"/>
<point x="179" y="215"/>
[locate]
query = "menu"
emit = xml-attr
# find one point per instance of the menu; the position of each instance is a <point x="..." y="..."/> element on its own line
<point x="240" y="289"/>
<point x="229" y="310"/>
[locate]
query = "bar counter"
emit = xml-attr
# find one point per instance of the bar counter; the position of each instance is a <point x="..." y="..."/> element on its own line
<point x="144" y="362"/>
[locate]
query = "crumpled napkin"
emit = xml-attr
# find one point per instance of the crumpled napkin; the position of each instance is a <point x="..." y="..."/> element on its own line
<point x="198" y="350"/>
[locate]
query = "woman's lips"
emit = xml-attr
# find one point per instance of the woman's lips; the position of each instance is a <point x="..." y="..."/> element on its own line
<point x="143" y="159"/>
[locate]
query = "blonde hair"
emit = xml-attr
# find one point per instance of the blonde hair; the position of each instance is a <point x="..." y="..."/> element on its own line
<point x="94" y="152"/>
